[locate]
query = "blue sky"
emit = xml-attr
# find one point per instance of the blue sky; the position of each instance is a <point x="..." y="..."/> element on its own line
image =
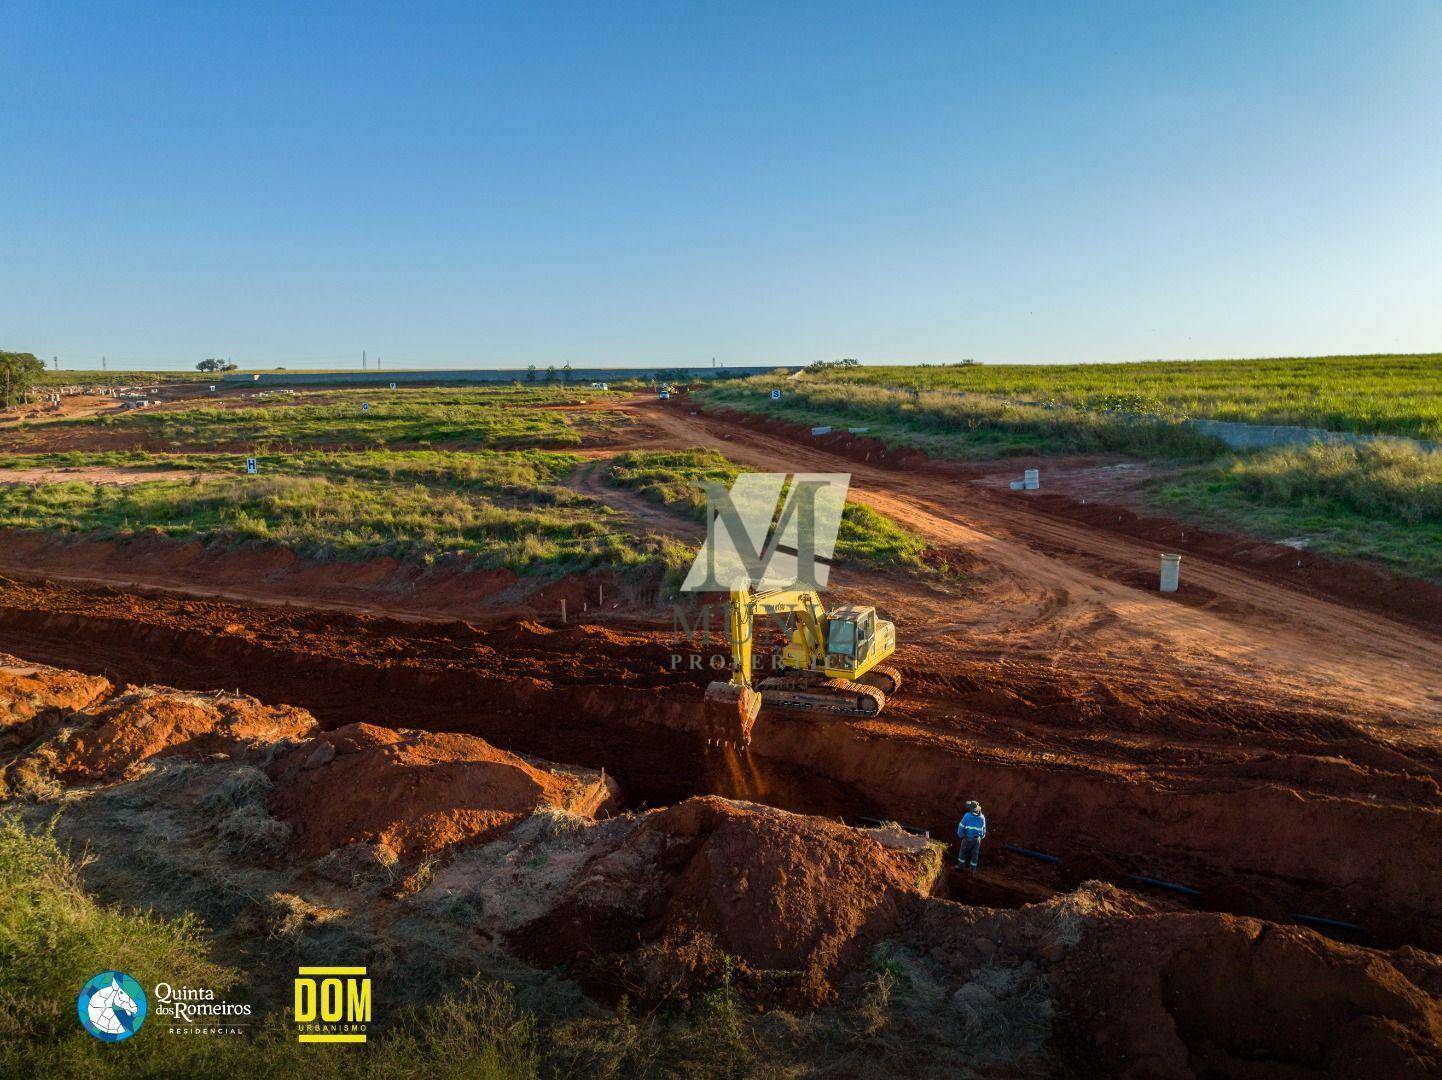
<point x="503" y="184"/>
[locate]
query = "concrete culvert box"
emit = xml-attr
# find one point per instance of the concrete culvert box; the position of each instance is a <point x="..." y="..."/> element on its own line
<point x="1171" y="572"/>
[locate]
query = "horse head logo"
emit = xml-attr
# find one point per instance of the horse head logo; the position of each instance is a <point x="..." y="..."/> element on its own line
<point x="109" y="1009"/>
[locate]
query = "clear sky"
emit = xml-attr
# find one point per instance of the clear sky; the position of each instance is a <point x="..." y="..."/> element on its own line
<point x="604" y="183"/>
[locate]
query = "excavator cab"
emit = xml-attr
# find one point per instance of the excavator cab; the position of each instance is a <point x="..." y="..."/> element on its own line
<point x="830" y="665"/>
<point x="851" y="637"/>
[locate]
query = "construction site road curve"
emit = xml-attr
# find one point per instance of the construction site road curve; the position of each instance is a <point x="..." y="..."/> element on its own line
<point x="1274" y="750"/>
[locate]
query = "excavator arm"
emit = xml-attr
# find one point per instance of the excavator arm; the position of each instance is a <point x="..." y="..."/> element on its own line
<point x="832" y="666"/>
<point x="732" y="707"/>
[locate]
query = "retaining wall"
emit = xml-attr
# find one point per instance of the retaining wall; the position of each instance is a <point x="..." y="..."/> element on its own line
<point x="581" y="377"/>
<point x="1241" y="436"/>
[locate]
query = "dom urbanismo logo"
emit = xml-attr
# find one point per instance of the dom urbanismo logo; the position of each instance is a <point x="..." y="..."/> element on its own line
<point x="111" y="1006"/>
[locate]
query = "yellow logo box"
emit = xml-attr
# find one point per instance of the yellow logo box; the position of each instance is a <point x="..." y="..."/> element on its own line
<point x="332" y="1004"/>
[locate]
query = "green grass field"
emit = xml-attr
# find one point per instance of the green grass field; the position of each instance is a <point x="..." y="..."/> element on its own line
<point x="1387" y="395"/>
<point x="673" y="479"/>
<point x="504" y="508"/>
<point x="390" y="481"/>
<point x="68" y="377"/>
<point x="1381" y="503"/>
<point x="963" y="426"/>
<point x="498" y="418"/>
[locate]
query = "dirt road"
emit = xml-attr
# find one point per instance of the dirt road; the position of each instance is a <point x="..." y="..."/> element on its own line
<point x="1274" y="749"/>
<point x="1066" y="595"/>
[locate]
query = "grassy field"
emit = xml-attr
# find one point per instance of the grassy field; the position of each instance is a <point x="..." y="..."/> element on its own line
<point x="1388" y="395"/>
<point x="967" y="427"/>
<point x="1381" y="502"/>
<point x="504" y="508"/>
<point x="390" y="481"/>
<point x="673" y="479"/>
<point x="501" y="417"/>
<point x="66" y="377"/>
<point x="53" y="936"/>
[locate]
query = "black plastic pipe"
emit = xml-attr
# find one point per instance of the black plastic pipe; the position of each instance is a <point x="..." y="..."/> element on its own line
<point x="1041" y="855"/>
<point x="1335" y="924"/>
<point x="1159" y="883"/>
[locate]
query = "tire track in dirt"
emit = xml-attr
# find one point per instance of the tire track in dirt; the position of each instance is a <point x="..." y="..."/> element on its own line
<point x="590" y="480"/>
<point x="1259" y="640"/>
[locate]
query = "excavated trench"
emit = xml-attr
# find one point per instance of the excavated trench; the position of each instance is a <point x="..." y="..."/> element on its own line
<point x="588" y="696"/>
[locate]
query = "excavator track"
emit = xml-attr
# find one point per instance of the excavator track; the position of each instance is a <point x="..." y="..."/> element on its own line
<point x="884" y="678"/>
<point x="834" y="697"/>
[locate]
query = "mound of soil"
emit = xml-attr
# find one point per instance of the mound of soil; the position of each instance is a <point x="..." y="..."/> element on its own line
<point x="28" y="692"/>
<point x="59" y="727"/>
<point x="796" y="901"/>
<point x="417" y="792"/>
<point x="143" y="723"/>
<point x="1186" y="994"/>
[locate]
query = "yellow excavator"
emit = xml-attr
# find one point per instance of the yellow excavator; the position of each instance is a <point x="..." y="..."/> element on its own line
<point x="831" y="664"/>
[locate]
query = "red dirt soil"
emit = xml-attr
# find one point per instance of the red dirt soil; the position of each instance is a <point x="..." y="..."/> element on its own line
<point x="451" y="588"/>
<point x="792" y="907"/>
<point x="1270" y="739"/>
<point x="417" y="793"/>
<point x="27" y="691"/>
<point x="1105" y="503"/>
<point x="707" y="879"/>
<point x="141" y="724"/>
<point x="72" y="728"/>
<point x="1178" y="995"/>
<point x="1268" y="811"/>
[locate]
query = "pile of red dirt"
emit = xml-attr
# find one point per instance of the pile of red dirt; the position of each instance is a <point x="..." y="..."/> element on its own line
<point x="794" y="901"/>
<point x="143" y="723"/>
<point x="1184" y="994"/>
<point x="60" y="727"/>
<point x="28" y="692"/>
<point x="418" y="792"/>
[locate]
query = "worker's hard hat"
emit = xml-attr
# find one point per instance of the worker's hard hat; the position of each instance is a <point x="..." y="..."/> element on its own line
<point x="973" y="805"/>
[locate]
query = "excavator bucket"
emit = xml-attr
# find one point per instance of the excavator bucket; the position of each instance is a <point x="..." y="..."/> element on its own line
<point x="731" y="711"/>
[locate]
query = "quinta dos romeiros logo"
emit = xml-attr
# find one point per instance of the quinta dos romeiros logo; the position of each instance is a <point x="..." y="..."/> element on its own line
<point x="332" y="1004"/>
<point x="112" y="1006"/>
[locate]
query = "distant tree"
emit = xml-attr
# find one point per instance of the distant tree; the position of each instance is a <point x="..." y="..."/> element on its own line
<point x="210" y="365"/>
<point x="827" y="365"/>
<point x="566" y="371"/>
<point x="531" y="373"/>
<point x="551" y="373"/>
<point x="19" y="371"/>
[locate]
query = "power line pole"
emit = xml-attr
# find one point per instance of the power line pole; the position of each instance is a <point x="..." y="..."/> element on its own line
<point x="363" y="359"/>
<point x="102" y="363"/>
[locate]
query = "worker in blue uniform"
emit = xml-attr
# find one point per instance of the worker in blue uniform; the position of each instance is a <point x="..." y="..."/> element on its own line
<point x="971" y="831"/>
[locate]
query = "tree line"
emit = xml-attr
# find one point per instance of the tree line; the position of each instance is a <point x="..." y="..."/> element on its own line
<point x="19" y="371"/>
